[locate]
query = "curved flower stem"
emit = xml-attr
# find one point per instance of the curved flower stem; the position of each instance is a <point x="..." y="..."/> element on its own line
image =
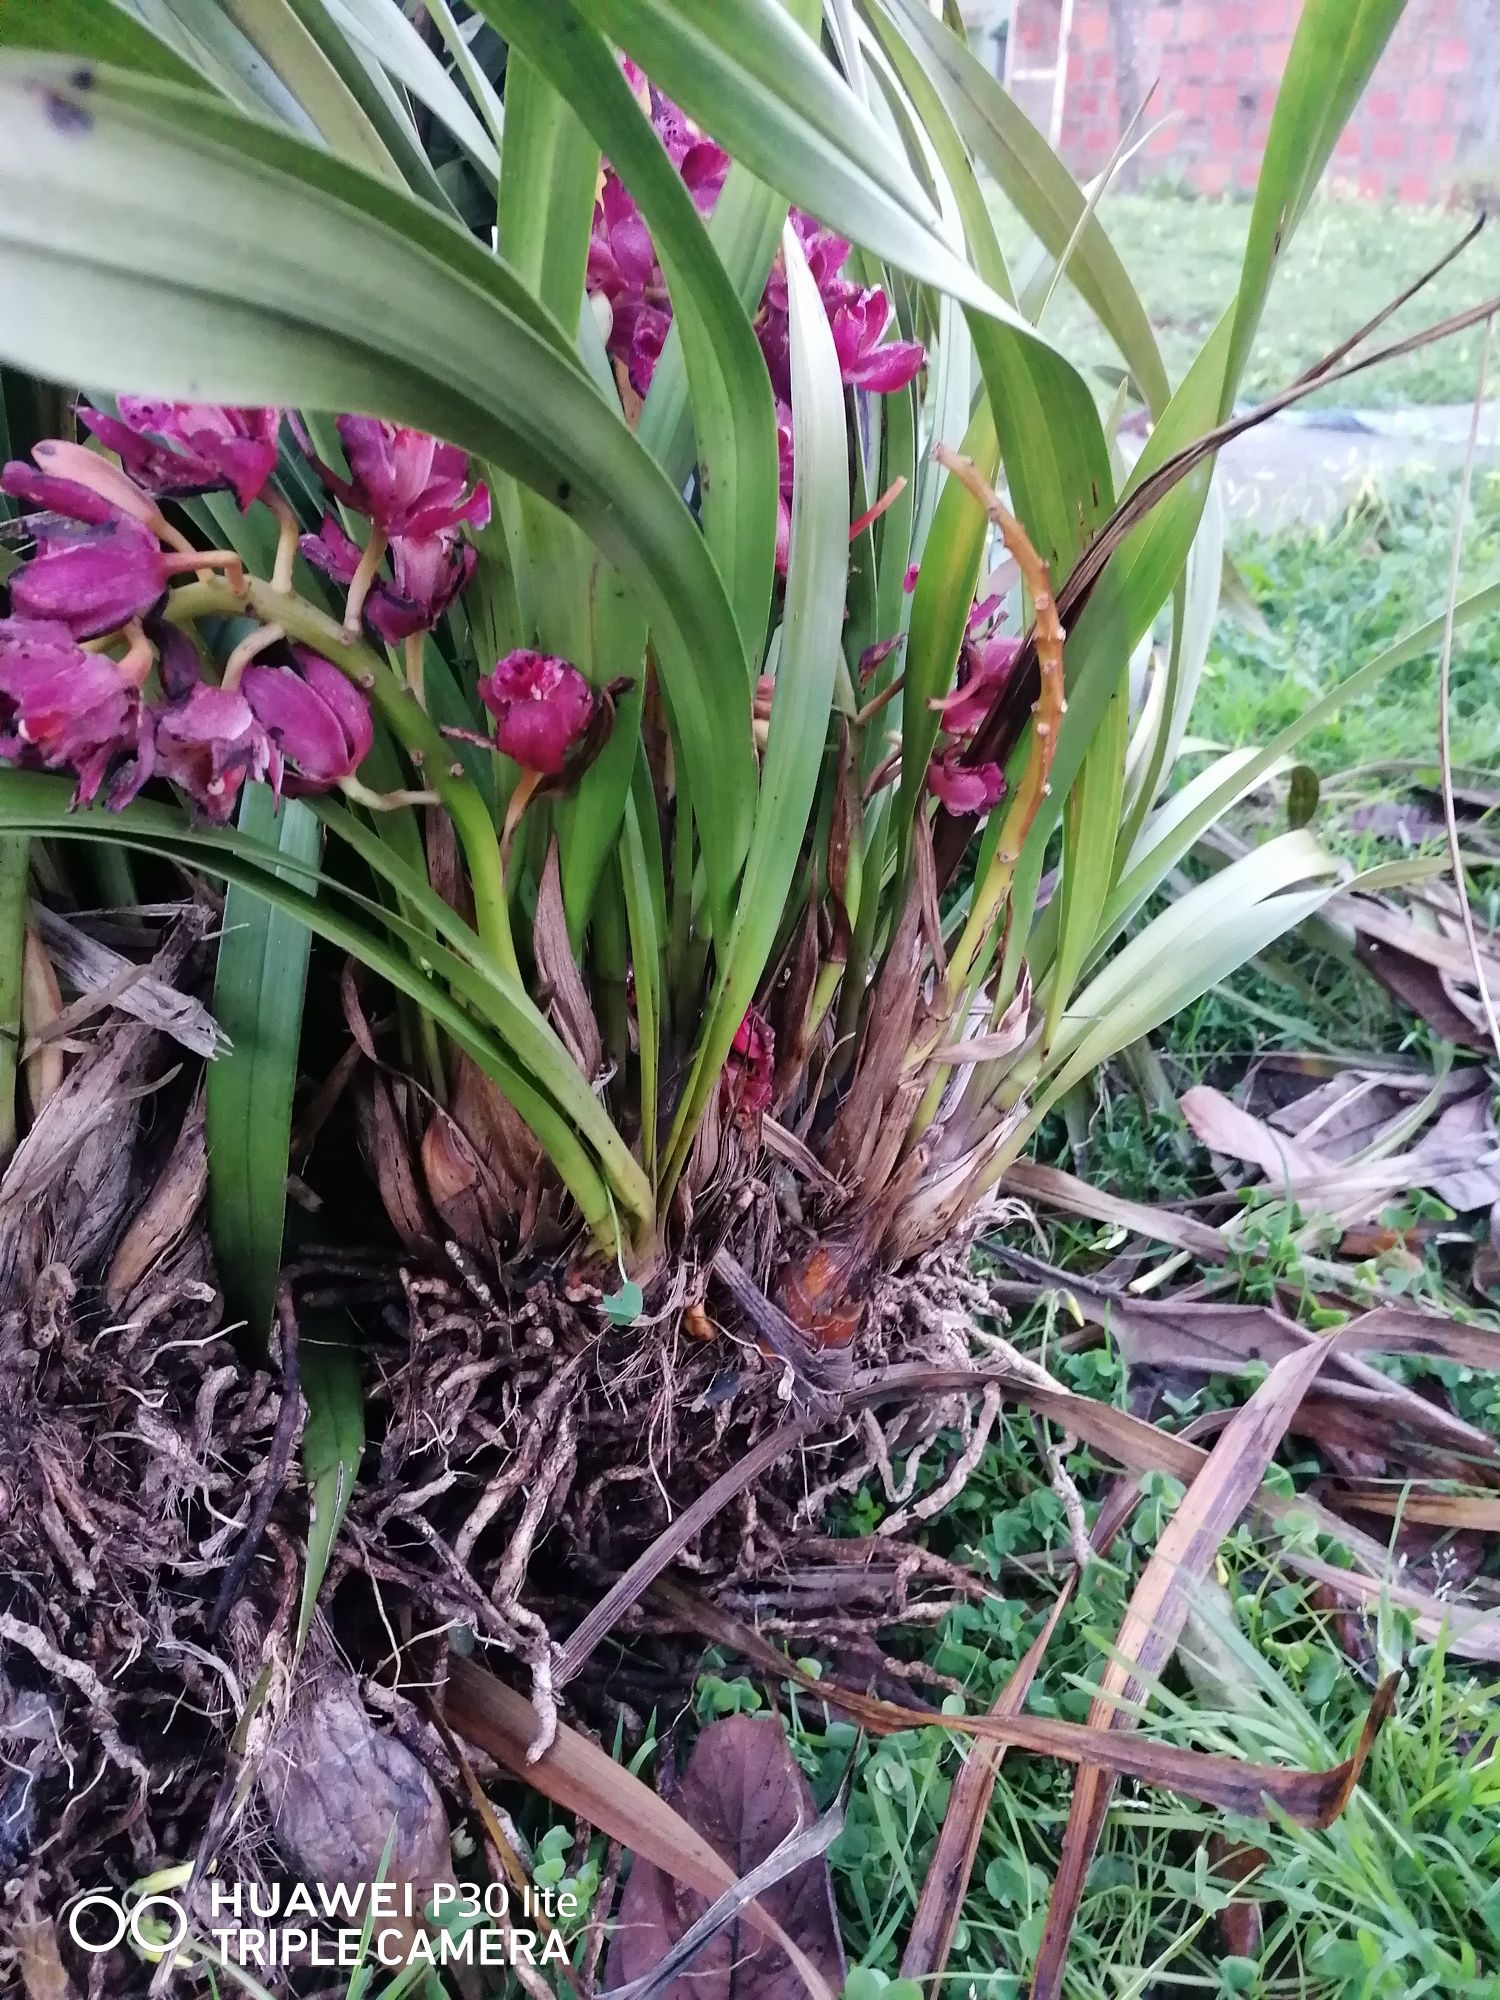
<point x="991" y="896"/>
<point x="362" y="582"/>
<point x="247" y="650"/>
<point x="415" y="655"/>
<point x="205" y="562"/>
<point x="288" y="534"/>
<point x="407" y="719"/>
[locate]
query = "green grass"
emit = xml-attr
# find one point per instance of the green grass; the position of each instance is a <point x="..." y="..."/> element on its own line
<point x="1329" y="600"/>
<point x="1347" y="260"/>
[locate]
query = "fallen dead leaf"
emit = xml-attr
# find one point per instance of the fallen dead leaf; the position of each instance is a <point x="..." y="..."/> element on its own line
<point x="583" y="1779"/>
<point x="744" y="1793"/>
<point x="946" y="1882"/>
<point x="1314" y="1798"/>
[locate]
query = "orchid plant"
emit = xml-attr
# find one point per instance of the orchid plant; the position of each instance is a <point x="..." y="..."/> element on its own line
<point x="650" y="594"/>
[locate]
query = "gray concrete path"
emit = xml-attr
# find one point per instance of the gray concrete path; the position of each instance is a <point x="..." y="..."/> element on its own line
<point x="1311" y="465"/>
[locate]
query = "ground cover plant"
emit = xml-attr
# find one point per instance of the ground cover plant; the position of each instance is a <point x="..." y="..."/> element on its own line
<point x="570" y="636"/>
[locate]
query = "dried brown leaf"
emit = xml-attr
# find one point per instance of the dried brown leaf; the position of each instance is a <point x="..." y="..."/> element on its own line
<point x="93" y="967"/>
<point x="744" y="1793"/>
<point x="1154" y="1620"/>
<point x="38" y="1960"/>
<point x="1479" y="1511"/>
<point x="167" y="1212"/>
<point x="41" y="1004"/>
<point x="1057" y="1189"/>
<point x="1314" y="1798"/>
<point x="946" y="1882"/>
<point x="567" y="997"/>
<point x="1420" y="987"/>
<point x="1224" y="1128"/>
<point x="387" y="1152"/>
<point x="583" y="1779"/>
<point x="1141" y="1447"/>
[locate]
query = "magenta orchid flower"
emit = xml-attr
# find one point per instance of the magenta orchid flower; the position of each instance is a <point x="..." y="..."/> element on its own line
<point x="784" y="494"/>
<point x="175" y="449"/>
<point x="64" y="709"/>
<point x="858" y="319"/>
<point x="430" y="572"/>
<point x="622" y="266"/>
<point x="48" y="492"/>
<point x="404" y="481"/>
<point x="542" y="708"/>
<point x="209" y="743"/>
<point x="964" y="788"/>
<point x="317" y="719"/>
<point x="91" y="579"/>
<point x="749" y="1073"/>
<point x="985" y="667"/>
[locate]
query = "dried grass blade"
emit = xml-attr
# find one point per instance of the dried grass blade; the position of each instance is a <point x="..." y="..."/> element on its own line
<point x="1313" y="1798"/>
<point x="947" y="1880"/>
<point x="1154" y="1619"/>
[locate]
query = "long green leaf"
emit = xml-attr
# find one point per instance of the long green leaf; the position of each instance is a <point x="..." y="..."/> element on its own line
<point x="392" y="39"/>
<point x="816" y="589"/>
<point x="1038" y="185"/>
<point x="99" y="29"/>
<point x="733" y="409"/>
<point x="333" y="1440"/>
<point x="258" y="989"/>
<point x="461" y="999"/>
<point x="1334" y="51"/>
<point x="284" y="41"/>
<point x="293" y="278"/>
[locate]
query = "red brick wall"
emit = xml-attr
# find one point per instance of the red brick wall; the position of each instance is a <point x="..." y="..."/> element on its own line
<point x="1217" y="64"/>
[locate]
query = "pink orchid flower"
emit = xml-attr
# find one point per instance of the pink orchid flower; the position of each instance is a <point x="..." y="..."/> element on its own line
<point x="209" y="743"/>
<point x="749" y="1073"/>
<point x="542" y="708"/>
<point x="858" y="319"/>
<point x="91" y="579"/>
<point x="430" y="571"/>
<point x="64" y="709"/>
<point x="966" y="789"/>
<point x="316" y="717"/>
<point x="404" y="481"/>
<point x="176" y="449"/>
<point x="985" y="667"/>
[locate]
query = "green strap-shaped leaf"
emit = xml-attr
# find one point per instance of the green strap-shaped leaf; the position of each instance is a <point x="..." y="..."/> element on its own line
<point x="816" y="592"/>
<point x="386" y="33"/>
<point x="733" y="408"/>
<point x="285" y="41"/>
<point x="292" y="278"/>
<point x="333" y="1441"/>
<point x="258" y="988"/>
<point x="473" y="1002"/>
<point x="940" y="606"/>
<point x="1333" y="53"/>
<point x="102" y="30"/>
